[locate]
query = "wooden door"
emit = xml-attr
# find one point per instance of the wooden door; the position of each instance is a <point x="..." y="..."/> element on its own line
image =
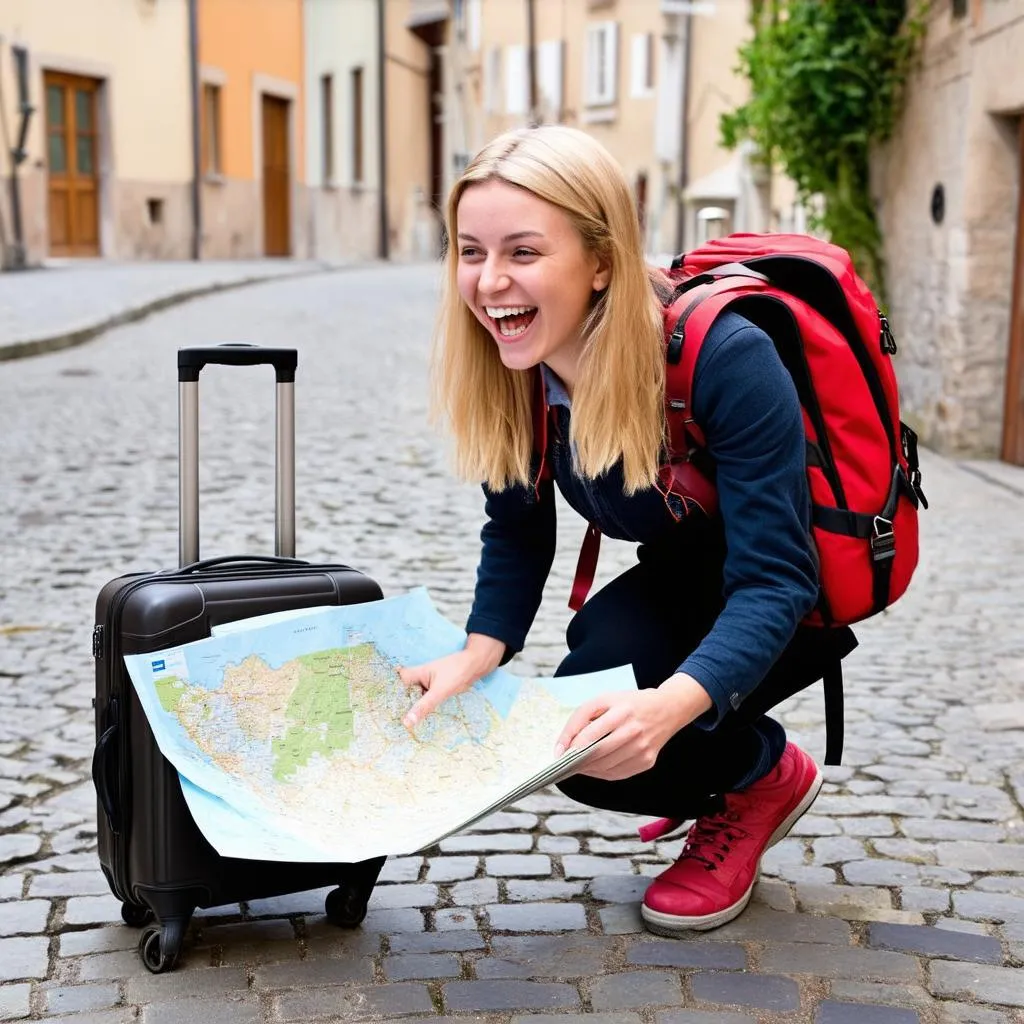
<point x="72" y="159"/>
<point x="276" y="178"/>
<point x="1013" y="418"/>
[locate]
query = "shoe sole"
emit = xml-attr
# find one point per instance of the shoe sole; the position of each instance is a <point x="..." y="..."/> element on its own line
<point x="671" y="924"/>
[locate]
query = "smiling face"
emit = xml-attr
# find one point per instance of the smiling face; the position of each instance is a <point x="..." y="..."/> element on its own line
<point x="525" y="273"/>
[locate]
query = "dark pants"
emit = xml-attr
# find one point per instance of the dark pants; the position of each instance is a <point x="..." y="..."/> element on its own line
<point x="652" y="617"/>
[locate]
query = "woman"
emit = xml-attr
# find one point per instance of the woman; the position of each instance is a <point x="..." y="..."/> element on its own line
<point x="546" y="275"/>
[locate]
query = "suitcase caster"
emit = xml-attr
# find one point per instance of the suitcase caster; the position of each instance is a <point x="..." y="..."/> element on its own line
<point x="160" y="945"/>
<point x="346" y="906"/>
<point x="135" y="915"/>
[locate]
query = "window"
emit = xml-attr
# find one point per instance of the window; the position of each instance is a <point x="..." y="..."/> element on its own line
<point x="473" y="19"/>
<point x="712" y="222"/>
<point x="492" y="81"/>
<point x="210" y="150"/>
<point x="550" y="78"/>
<point x="357" y="126"/>
<point x="689" y="7"/>
<point x="327" y="127"/>
<point x="601" y="65"/>
<point x="642" y="65"/>
<point x="517" y="83"/>
<point x="959" y="8"/>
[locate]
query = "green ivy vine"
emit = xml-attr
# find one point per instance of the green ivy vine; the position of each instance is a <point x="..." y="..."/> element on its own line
<point x="826" y="80"/>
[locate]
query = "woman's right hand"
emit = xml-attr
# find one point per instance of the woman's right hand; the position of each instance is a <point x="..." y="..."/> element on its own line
<point x="453" y="674"/>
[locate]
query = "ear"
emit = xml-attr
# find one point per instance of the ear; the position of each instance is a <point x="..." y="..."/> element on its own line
<point x="602" y="274"/>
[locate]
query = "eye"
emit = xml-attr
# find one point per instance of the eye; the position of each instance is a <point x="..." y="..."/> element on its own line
<point x="468" y="252"/>
<point x="522" y="252"/>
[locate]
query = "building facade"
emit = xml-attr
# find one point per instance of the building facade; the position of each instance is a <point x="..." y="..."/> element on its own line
<point x="252" y="89"/>
<point x="301" y="113"/>
<point x="107" y="169"/>
<point x="949" y="188"/>
<point x="271" y="148"/>
<point x="343" y="159"/>
<point x="416" y="114"/>
<point x="648" y="78"/>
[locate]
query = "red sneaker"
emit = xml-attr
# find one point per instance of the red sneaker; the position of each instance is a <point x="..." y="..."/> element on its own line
<point x="713" y="878"/>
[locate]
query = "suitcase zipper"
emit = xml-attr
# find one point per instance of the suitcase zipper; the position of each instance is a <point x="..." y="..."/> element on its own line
<point x="112" y="711"/>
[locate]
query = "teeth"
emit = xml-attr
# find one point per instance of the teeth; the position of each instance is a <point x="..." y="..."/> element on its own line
<point x="510" y="332"/>
<point x="497" y="312"/>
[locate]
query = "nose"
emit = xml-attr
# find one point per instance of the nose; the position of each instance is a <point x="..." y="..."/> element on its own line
<point x="493" y="277"/>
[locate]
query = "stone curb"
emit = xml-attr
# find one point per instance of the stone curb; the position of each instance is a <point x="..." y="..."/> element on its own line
<point x="80" y="335"/>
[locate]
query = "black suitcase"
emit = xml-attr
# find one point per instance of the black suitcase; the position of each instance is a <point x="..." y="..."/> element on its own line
<point x="155" y="858"/>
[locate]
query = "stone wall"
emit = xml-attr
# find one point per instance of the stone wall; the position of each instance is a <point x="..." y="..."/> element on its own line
<point x="129" y="229"/>
<point x="950" y="282"/>
<point x="233" y="220"/>
<point x="152" y="221"/>
<point x="32" y="190"/>
<point x="344" y="224"/>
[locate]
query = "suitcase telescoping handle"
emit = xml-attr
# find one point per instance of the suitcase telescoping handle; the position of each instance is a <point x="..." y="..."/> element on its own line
<point x="190" y="363"/>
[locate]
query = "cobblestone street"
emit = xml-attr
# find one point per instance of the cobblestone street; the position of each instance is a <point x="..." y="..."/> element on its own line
<point x="899" y="897"/>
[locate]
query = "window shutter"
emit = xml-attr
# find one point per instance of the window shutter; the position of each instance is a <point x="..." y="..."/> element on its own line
<point x="611" y="65"/>
<point x="492" y="81"/>
<point x="550" y="71"/>
<point x="517" y="98"/>
<point x="473" y="18"/>
<point x="600" y="81"/>
<point x="590" y="65"/>
<point x="641" y="71"/>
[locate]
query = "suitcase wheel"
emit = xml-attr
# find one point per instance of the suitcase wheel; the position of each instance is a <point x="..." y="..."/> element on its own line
<point x="160" y="945"/>
<point x="346" y="906"/>
<point x="135" y="914"/>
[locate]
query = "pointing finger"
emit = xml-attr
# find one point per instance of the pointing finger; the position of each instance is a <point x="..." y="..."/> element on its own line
<point x="423" y="707"/>
<point x="416" y="675"/>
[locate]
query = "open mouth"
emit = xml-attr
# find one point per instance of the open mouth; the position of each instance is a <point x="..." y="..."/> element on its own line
<point x="511" y="321"/>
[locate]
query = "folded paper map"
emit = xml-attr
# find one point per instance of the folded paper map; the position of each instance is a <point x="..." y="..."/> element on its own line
<point x="287" y="732"/>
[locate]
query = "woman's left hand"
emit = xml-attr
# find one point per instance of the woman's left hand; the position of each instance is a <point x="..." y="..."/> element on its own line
<point x="635" y="725"/>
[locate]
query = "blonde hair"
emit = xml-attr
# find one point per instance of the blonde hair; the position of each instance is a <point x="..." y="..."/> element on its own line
<point x="618" y="398"/>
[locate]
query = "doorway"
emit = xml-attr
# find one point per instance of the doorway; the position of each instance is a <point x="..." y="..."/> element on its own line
<point x="1013" y="417"/>
<point x="276" y="178"/>
<point x="72" y="158"/>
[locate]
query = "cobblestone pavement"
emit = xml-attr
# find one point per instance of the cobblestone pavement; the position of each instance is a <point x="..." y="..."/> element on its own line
<point x="43" y="310"/>
<point x="900" y="897"/>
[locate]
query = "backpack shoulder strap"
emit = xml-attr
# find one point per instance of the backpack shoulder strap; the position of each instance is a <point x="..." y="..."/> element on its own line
<point x="688" y="318"/>
<point x="541" y="415"/>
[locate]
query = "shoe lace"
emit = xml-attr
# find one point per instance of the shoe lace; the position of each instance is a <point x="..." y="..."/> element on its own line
<point x="711" y="839"/>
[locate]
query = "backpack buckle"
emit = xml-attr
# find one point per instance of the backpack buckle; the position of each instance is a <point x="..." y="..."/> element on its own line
<point x="674" y="350"/>
<point x="883" y="539"/>
<point x="915" y="484"/>
<point x="888" y="342"/>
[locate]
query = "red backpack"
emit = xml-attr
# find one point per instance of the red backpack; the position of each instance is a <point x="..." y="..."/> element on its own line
<point x="862" y="463"/>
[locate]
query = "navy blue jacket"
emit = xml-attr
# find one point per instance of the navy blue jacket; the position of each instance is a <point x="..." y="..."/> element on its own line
<point x="747" y="405"/>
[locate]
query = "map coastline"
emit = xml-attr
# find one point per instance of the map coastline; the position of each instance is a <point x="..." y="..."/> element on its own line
<point x="286" y="731"/>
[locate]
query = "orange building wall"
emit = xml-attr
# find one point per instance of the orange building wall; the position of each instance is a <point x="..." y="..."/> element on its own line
<point x="242" y="38"/>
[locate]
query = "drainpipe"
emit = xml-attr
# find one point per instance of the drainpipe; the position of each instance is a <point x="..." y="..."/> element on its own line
<point x="197" y="198"/>
<point x="686" y="24"/>
<point x="383" y="244"/>
<point x="531" y="51"/>
<point x="18" y="157"/>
